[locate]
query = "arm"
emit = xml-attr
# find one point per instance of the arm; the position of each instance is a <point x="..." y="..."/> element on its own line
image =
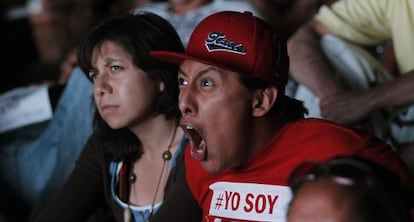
<point x="82" y="193"/>
<point x="393" y="93"/>
<point x="310" y="68"/>
<point x="77" y="201"/>
<point x="308" y="63"/>
<point x="179" y="205"/>
<point x="349" y="108"/>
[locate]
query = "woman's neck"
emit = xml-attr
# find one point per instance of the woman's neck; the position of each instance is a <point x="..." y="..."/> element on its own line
<point x="157" y="135"/>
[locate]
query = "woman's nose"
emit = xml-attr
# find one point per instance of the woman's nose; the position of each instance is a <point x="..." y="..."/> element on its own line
<point x="102" y="85"/>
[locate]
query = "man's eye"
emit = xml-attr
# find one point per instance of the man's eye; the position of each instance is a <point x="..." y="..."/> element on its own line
<point x="182" y="82"/>
<point x="207" y="82"/>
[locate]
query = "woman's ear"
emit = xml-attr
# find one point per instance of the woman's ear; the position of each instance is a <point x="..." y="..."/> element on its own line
<point x="263" y="101"/>
<point x="161" y="86"/>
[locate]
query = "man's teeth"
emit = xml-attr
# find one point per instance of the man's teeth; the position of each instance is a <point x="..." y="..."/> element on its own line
<point x="201" y="146"/>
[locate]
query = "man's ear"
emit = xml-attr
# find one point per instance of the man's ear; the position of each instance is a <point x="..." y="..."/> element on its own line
<point x="263" y="101"/>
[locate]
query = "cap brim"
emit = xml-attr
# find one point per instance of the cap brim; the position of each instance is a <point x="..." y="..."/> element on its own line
<point x="178" y="58"/>
<point x="171" y="57"/>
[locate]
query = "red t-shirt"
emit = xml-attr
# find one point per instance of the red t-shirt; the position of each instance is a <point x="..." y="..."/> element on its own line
<point x="259" y="191"/>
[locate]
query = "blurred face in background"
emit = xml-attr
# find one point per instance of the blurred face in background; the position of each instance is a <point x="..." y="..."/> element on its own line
<point x="321" y="200"/>
<point x="287" y="15"/>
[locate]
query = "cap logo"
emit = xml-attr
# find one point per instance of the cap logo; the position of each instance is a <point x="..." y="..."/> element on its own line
<point x="217" y="41"/>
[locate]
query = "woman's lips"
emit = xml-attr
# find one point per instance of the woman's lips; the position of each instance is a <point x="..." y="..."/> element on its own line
<point x="108" y="108"/>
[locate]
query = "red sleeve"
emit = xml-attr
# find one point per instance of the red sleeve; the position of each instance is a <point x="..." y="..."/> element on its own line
<point x="382" y="153"/>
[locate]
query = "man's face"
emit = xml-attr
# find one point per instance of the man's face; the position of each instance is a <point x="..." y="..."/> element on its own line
<point x="217" y="115"/>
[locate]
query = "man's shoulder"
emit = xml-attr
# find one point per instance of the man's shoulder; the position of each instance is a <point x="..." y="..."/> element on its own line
<point x="315" y="129"/>
<point x="317" y="123"/>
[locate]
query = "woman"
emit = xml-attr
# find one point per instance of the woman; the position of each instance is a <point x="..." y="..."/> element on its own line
<point x="134" y="156"/>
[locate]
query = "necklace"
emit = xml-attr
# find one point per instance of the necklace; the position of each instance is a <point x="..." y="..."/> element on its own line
<point x="166" y="156"/>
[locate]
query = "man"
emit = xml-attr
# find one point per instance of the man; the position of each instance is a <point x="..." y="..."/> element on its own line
<point x="351" y="23"/>
<point x="246" y="135"/>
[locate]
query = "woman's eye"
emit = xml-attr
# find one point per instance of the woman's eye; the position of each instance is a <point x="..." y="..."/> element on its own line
<point x="115" y="68"/>
<point x="93" y="75"/>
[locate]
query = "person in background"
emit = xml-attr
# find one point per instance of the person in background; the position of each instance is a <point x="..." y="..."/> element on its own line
<point x="185" y="15"/>
<point x="43" y="154"/>
<point x="342" y="83"/>
<point x="287" y="15"/>
<point x="347" y="189"/>
<point x="134" y="156"/>
<point x="98" y="10"/>
<point x="246" y="135"/>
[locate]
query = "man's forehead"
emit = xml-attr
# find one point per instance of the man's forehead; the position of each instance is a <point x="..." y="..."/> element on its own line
<point x="191" y="67"/>
<point x="193" y="63"/>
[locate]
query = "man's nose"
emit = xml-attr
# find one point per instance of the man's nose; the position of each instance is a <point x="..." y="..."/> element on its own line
<point x="186" y="102"/>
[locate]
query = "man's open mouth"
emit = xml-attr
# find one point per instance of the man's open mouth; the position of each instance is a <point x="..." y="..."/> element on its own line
<point x="198" y="145"/>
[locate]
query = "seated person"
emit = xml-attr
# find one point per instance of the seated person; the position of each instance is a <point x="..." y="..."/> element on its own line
<point x="43" y="154"/>
<point x="135" y="155"/>
<point x="339" y="81"/>
<point x="347" y="189"/>
<point x="245" y="134"/>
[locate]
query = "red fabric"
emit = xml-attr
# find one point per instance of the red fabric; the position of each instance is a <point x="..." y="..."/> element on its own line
<point x="300" y="141"/>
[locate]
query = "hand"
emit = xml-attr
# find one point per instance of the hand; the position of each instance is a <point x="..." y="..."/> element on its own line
<point x="345" y="108"/>
<point x="66" y="67"/>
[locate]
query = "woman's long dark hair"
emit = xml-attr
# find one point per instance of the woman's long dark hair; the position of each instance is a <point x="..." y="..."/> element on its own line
<point x="137" y="35"/>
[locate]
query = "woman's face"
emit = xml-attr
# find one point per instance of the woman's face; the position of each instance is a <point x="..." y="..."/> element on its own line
<point x="124" y="94"/>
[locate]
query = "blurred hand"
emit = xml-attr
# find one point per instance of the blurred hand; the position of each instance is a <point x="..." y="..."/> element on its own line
<point x="67" y="66"/>
<point x="346" y="108"/>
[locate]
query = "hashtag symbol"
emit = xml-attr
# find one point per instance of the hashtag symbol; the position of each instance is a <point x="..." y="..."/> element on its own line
<point x="219" y="200"/>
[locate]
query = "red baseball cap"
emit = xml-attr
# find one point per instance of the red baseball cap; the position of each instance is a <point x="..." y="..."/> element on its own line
<point x="238" y="42"/>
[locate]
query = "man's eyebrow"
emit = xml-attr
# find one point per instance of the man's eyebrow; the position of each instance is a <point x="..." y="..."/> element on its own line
<point x="208" y="69"/>
<point x="180" y="71"/>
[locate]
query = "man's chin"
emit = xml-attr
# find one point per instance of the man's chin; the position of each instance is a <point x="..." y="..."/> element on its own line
<point x="210" y="168"/>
